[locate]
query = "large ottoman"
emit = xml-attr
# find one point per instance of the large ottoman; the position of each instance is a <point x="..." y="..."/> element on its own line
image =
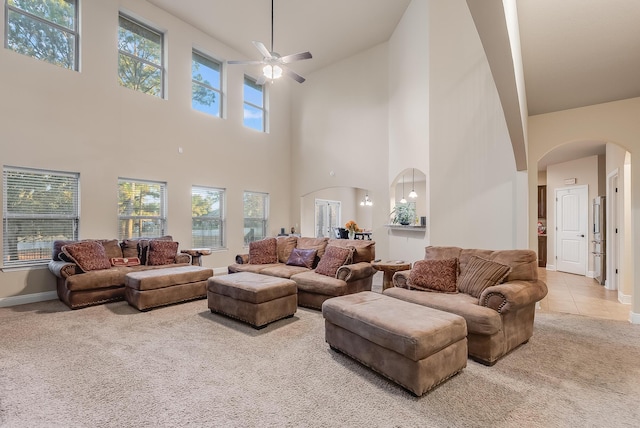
<point x="253" y="298"/>
<point x="413" y="345"/>
<point x="158" y="287"/>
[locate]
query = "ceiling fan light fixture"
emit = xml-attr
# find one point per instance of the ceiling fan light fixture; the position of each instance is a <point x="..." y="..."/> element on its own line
<point x="272" y="71"/>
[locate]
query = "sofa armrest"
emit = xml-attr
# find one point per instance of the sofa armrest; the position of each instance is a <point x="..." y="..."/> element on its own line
<point x="400" y="278"/>
<point x="242" y="259"/>
<point x="355" y="271"/>
<point x="183" y="258"/>
<point x="63" y="269"/>
<point x="513" y="295"/>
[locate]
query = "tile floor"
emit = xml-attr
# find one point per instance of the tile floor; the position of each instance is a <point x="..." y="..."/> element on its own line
<point x="577" y="294"/>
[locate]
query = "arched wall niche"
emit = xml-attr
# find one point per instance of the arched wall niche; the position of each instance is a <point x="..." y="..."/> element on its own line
<point x="407" y="181"/>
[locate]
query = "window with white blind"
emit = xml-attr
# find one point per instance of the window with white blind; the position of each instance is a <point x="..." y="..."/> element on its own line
<point x="256" y="216"/>
<point x="39" y="207"/>
<point x="45" y="29"/>
<point x="207" y="222"/>
<point x="142" y="208"/>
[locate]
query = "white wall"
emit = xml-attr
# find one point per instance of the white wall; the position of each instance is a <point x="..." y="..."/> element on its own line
<point x="616" y="122"/>
<point x="476" y="193"/>
<point x="409" y="104"/>
<point x="585" y="171"/>
<point x="84" y="122"/>
<point x="340" y="133"/>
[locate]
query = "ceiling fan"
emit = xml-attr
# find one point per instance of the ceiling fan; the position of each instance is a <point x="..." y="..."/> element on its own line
<point x="274" y="64"/>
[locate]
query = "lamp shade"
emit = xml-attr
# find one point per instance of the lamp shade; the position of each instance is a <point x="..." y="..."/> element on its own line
<point x="272" y="71"/>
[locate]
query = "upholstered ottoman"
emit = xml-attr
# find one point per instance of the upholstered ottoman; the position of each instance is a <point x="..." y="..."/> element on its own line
<point x="252" y="298"/>
<point x="415" y="346"/>
<point x="158" y="287"/>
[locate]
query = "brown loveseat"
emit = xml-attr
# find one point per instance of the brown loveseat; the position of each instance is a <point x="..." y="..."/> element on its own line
<point x="502" y="317"/>
<point x="101" y="283"/>
<point x="313" y="287"/>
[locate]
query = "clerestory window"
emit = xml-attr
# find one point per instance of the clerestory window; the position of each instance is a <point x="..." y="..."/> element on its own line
<point x="44" y="29"/>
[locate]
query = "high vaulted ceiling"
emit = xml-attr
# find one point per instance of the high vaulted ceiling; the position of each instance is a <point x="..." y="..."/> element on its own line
<point x="330" y="29"/>
<point x="575" y="52"/>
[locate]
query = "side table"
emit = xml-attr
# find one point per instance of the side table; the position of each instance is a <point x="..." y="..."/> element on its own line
<point x="389" y="268"/>
<point x="196" y="254"/>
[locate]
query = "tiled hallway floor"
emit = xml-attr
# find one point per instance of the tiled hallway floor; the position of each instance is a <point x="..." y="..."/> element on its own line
<point x="577" y="294"/>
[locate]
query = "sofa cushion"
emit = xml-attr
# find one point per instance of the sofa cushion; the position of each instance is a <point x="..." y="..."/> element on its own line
<point x="479" y="274"/>
<point x="111" y="247"/>
<point x="364" y="251"/>
<point x="88" y="255"/>
<point x="434" y="275"/>
<point x="318" y="244"/>
<point x="285" y="245"/>
<point x="480" y="319"/>
<point x="131" y="247"/>
<point x="333" y="258"/>
<point x="161" y="252"/>
<point x="263" y="251"/>
<point x="300" y="257"/>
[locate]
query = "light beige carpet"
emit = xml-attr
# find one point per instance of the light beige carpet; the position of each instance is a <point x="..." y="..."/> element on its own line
<point x="112" y="366"/>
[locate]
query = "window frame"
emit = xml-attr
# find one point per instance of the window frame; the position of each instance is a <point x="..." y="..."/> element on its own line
<point x="72" y="216"/>
<point x="75" y="32"/>
<point x="221" y="218"/>
<point x="251" y="82"/>
<point x="264" y="219"/>
<point x="219" y="90"/>
<point x="161" y="66"/>
<point x="161" y="217"/>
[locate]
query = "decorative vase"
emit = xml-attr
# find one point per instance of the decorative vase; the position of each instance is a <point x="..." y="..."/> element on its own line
<point x="352" y="234"/>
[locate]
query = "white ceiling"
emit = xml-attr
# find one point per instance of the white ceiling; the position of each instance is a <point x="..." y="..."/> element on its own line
<point x="574" y="52"/>
<point x="330" y="29"/>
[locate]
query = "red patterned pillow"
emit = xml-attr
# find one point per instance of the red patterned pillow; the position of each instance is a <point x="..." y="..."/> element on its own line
<point x="300" y="257"/>
<point x="333" y="258"/>
<point x="434" y="275"/>
<point x="88" y="255"/>
<point x="162" y="252"/>
<point x="263" y="251"/>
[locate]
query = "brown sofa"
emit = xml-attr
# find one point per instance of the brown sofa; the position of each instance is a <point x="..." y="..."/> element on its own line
<point x="314" y="288"/>
<point x="502" y="317"/>
<point x="78" y="289"/>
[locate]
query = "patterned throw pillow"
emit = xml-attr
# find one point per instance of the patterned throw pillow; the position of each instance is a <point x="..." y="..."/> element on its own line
<point x="263" y="251"/>
<point x="480" y="274"/>
<point x="304" y="258"/>
<point x="333" y="258"/>
<point x="434" y="275"/>
<point x="88" y="255"/>
<point x="161" y="252"/>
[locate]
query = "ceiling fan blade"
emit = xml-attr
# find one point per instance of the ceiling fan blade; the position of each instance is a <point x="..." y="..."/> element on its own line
<point x="244" y="62"/>
<point x="263" y="49"/>
<point x="261" y="80"/>
<point x="296" y="57"/>
<point x="293" y="75"/>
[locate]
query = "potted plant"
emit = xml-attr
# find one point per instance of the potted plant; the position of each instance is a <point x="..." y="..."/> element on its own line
<point x="403" y="214"/>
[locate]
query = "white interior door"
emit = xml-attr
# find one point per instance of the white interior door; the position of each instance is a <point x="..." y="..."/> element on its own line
<point x="572" y="213"/>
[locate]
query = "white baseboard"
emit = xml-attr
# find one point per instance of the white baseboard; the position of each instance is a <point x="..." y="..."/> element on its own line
<point x="27" y="298"/>
<point x="551" y="267"/>
<point x="634" y="318"/>
<point x="590" y="274"/>
<point x="625" y="299"/>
